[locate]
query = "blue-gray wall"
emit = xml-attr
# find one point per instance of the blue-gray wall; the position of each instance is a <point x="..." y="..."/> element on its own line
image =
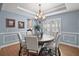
<point x="70" y="22"/>
<point x="4" y="15"/>
<point x="0" y="6"/>
<point x="3" y="29"/>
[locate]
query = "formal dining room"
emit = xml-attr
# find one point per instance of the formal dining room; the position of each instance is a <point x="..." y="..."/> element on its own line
<point x="39" y="29"/>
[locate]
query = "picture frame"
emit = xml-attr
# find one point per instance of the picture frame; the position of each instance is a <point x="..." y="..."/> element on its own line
<point x="10" y="22"/>
<point x="20" y="24"/>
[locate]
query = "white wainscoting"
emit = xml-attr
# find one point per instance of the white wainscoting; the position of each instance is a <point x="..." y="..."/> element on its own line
<point x="5" y="35"/>
<point x="70" y="36"/>
<point x="8" y="44"/>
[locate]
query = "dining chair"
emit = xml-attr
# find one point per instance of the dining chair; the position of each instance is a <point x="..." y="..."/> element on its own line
<point x="29" y="33"/>
<point x="22" y="44"/>
<point x="54" y="45"/>
<point x="32" y="45"/>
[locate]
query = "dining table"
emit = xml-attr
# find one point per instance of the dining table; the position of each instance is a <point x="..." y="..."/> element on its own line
<point x="46" y="38"/>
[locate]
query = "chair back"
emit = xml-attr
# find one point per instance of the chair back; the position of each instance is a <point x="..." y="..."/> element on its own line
<point x="20" y="39"/>
<point x="29" y="33"/>
<point x="57" y="39"/>
<point x="32" y="43"/>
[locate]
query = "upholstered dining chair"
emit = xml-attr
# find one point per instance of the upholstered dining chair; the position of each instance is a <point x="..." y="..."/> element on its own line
<point x="54" y="45"/>
<point x="23" y="45"/>
<point x="29" y="33"/>
<point x="32" y="45"/>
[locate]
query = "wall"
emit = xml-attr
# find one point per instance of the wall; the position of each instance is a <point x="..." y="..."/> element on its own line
<point x="3" y="29"/>
<point x="69" y="23"/>
<point x="0" y="6"/>
<point x="78" y="28"/>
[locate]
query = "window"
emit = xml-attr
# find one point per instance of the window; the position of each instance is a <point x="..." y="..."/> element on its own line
<point x="52" y="26"/>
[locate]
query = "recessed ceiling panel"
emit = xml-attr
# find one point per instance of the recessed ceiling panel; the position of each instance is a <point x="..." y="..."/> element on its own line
<point x="34" y="6"/>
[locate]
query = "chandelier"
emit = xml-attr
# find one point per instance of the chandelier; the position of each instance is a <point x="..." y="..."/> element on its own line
<point x="40" y="14"/>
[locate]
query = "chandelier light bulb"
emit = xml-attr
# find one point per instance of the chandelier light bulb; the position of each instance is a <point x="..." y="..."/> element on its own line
<point x="44" y="17"/>
<point x="37" y="14"/>
<point x="36" y="17"/>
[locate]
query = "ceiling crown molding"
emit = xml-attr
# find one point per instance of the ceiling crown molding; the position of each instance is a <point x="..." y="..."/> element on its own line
<point x="58" y="9"/>
<point x="26" y="10"/>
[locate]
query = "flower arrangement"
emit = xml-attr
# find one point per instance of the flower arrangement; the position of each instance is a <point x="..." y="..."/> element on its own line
<point x="37" y="27"/>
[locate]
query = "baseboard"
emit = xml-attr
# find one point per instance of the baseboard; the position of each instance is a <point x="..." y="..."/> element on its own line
<point x="9" y="44"/>
<point x="69" y="44"/>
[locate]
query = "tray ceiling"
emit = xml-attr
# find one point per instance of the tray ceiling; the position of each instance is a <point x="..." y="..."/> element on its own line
<point x="31" y="9"/>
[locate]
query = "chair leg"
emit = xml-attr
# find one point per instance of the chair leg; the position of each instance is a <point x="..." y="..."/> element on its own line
<point x="28" y="54"/>
<point x="20" y="51"/>
<point x="55" y="51"/>
<point x="59" y="52"/>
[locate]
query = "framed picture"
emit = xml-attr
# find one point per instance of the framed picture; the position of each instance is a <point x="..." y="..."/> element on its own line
<point x="20" y="24"/>
<point x="10" y="22"/>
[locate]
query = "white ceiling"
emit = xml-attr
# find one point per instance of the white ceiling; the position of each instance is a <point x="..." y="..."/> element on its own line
<point x="34" y="6"/>
<point x="30" y="9"/>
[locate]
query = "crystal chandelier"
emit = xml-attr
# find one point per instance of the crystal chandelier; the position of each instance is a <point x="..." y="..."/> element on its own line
<point x="40" y="14"/>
